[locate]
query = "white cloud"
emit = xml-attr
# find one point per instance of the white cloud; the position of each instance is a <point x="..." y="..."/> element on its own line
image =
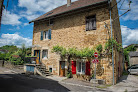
<point x="131" y="15"/>
<point x="14" y="39"/>
<point x="35" y="7"/>
<point x="129" y="36"/>
<point x="29" y="16"/>
<point x="9" y="18"/>
<point x="25" y="24"/>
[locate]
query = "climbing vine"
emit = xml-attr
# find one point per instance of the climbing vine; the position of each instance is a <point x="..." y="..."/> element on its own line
<point x="113" y="43"/>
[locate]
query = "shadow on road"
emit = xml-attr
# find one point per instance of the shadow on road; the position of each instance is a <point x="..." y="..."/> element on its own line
<point x="22" y="83"/>
<point x="122" y="78"/>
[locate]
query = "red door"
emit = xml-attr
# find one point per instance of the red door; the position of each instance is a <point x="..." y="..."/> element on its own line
<point x="73" y="67"/>
<point x="88" y="68"/>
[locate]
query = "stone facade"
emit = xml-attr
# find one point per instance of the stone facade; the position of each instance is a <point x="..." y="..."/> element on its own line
<point x="70" y="31"/>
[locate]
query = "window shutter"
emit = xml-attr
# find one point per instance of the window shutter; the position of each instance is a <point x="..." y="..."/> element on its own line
<point x="87" y="24"/>
<point x="34" y="52"/>
<point x="94" y="23"/>
<point x="73" y="67"/>
<point x="87" y="68"/>
<point x="41" y="35"/>
<point x="49" y="34"/>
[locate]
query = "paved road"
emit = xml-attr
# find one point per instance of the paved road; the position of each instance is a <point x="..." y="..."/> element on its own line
<point x="11" y="82"/>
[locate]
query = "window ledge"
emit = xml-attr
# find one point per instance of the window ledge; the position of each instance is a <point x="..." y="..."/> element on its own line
<point x="44" y="58"/>
<point x="80" y="73"/>
<point x="46" y="39"/>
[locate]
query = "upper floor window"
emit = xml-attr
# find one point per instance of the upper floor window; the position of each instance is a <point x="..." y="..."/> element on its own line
<point x="45" y="34"/>
<point x="91" y="23"/>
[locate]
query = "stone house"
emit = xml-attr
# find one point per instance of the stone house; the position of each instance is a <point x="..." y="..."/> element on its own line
<point x="78" y="24"/>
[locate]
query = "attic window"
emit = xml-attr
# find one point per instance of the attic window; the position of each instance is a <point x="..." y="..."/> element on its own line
<point x="50" y="22"/>
<point x="49" y="13"/>
<point x="91" y="23"/>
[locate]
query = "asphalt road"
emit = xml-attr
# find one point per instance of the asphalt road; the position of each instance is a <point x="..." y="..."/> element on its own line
<point x="12" y="82"/>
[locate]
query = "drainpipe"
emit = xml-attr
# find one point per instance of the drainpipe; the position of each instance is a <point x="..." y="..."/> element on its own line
<point x="109" y="1"/>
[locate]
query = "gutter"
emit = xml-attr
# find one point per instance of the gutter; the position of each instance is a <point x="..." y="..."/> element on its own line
<point x="70" y="10"/>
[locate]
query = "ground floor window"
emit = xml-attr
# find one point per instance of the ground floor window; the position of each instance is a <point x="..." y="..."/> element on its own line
<point x="50" y="70"/>
<point x="45" y="54"/>
<point x="80" y="67"/>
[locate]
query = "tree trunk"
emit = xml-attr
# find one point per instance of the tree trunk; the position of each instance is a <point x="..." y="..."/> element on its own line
<point x="69" y="69"/>
<point x="1" y="8"/>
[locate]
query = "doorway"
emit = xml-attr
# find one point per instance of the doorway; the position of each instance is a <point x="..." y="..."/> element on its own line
<point x="37" y="54"/>
<point x="62" y="68"/>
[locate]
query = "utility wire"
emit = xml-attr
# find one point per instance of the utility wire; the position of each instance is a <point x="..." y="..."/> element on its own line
<point x="121" y="4"/>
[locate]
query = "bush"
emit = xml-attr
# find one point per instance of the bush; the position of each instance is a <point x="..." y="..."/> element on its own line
<point x="69" y="74"/>
<point x="16" y="61"/>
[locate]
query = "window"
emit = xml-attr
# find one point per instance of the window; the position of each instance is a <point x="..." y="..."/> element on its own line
<point x="45" y="54"/>
<point x="46" y="34"/>
<point x="91" y="23"/>
<point x="81" y="67"/>
<point x="50" y="22"/>
<point x="50" y="70"/>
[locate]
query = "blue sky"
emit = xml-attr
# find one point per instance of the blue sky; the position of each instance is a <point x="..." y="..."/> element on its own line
<point x="16" y="30"/>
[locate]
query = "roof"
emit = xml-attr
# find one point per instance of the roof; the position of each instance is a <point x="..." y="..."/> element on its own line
<point x="133" y="54"/>
<point x="74" y="6"/>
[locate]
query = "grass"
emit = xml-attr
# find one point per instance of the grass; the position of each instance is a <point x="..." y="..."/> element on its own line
<point x="125" y="73"/>
<point x="104" y="86"/>
<point x="126" y="90"/>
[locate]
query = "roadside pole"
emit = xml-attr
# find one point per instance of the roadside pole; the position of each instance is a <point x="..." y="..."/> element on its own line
<point x="95" y="70"/>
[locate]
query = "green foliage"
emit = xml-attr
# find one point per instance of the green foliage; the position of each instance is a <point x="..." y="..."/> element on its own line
<point x="10" y="48"/>
<point x="99" y="48"/>
<point x="127" y="50"/>
<point x="69" y="74"/>
<point x="16" y="61"/>
<point x="112" y="43"/>
<point x="86" y="52"/>
<point x="2" y="55"/>
<point x="5" y="56"/>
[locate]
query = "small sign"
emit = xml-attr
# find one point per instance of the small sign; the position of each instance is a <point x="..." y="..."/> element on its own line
<point x="95" y="61"/>
<point x="95" y="54"/>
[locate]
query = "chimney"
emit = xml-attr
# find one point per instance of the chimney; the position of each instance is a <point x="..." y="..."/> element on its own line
<point x="68" y="3"/>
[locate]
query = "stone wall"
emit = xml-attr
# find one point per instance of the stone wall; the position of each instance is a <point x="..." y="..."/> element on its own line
<point x="70" y="31"/>
<point x="118" y="56"/>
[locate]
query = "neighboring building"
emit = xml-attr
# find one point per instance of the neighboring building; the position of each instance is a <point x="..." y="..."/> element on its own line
<point x="133" y="56"/>
<point x="3" y="51"/>
<point x="77" y="24"/>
